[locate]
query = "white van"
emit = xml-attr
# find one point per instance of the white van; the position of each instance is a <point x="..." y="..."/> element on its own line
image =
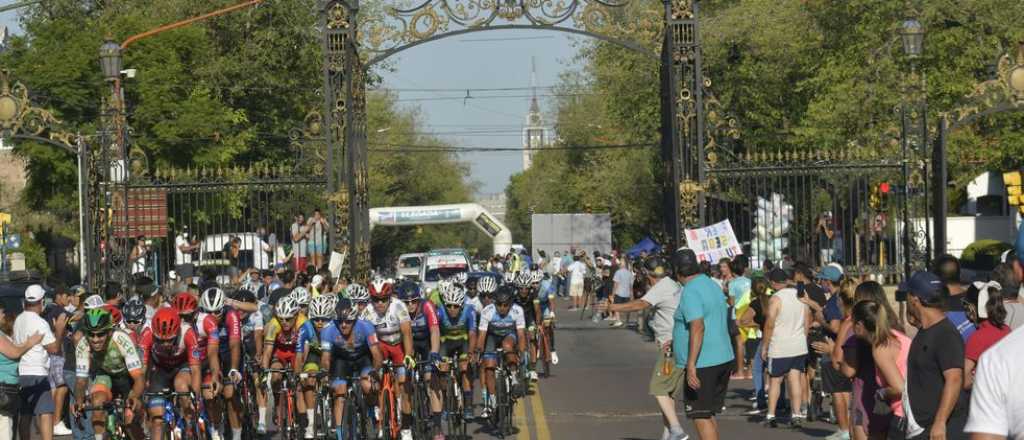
<point x="408" y="266"/>
<point x="442" y="263"/>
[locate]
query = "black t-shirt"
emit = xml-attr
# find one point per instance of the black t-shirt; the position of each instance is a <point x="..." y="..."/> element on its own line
<point x="954" y="303"/>
<point x="933" y="351"/>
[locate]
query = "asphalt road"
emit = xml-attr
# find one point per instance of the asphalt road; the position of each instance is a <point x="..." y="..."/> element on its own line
<point x="599" y="391"/>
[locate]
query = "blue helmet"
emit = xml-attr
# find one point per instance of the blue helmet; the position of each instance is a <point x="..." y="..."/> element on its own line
<point x="408" y="291"/>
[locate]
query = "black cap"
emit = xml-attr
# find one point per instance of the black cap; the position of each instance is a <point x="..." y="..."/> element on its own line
<point x="685" y="262"/>
<point x="778" y="275"/>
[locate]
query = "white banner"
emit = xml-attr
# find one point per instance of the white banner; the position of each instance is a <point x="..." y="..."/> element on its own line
<point x="714" y="242"/>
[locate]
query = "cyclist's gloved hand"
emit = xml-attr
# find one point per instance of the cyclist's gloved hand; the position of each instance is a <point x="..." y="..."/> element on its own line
<point x="435" y="357"/>
<point x="409" y="362"/>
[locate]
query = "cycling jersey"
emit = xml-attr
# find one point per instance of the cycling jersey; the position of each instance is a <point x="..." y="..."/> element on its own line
<point x="388" y="325"/>
<point x="358" y="346"/>
<point x="119" y="357"/>
<point x="252" y="323"/>
<point x="526" y="303"/>
<point x="283" y="343"/>
<point x="185" y="351"/>
<point x="424" y="321"/>
<point x="495" y="324"/>
<point x="475" y="302"/>
<point x="308" y="335"/>
<point x="460" y="327"/>
<point x="228" y="329"/>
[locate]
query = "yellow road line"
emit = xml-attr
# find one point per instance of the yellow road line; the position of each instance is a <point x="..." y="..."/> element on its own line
<point x="519" y="421"/>
<point x="537" y="404"/>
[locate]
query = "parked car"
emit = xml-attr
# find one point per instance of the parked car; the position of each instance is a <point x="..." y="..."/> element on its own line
<point x="408" y="266"/>
<point x="442" y="263"/>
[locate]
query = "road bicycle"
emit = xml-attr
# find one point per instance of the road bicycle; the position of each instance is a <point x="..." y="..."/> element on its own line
<point x="323" y="410"/>
<point x="544" y="348"/>
<point x="357" y="417"/>
<point x="416" y="387"/>
<point x="453" y="399"/>
<point x="115" y="421"/>
<point x="176" y="425"/>
<point x="245" y="393"/>
<point x="504" y="394"/>
<point x="289" y="429"/>
<point x="388" y="423"/>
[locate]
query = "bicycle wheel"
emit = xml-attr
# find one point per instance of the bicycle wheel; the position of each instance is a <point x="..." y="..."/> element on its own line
<point x="388" y="411"/>
<point x="323" y="414"/>
<point x="422" y="409"/>
<point x="454" y="406"/>
<point x="545" y="353"/>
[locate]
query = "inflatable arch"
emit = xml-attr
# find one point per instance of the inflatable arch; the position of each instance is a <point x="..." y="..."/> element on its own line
<point x="443" y="214"/>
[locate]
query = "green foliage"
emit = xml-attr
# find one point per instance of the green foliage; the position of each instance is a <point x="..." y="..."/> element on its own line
<point x="983" y="254"/>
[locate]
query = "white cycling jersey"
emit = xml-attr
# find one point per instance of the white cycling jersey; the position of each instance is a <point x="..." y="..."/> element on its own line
<point x="501" y="325"/>
<point x="389" y="324"/>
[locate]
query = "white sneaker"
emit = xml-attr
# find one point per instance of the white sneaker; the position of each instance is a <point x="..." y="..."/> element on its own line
<point x="261" y="428"/>
<point x="309" y="432"/>
<point x="533" y="376"/>
<point x="214" y="435"/>
<point x="554" y="358"/>
<point x="406" y="434"/>
<point x="61" y="429"/>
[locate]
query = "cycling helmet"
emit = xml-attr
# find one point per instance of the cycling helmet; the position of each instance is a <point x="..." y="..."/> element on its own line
<point x="212" y="300"/>
<point x="166" y="323"/>
<point x="380" y="288"/>
<point x="301" y="296"/>
<point x="358" y="293"/>
<point x="408" y="291"/>
<point x="455" y="295"/>
<point x="135" y="311"/>
<point x="503" y="295"/>
<point x="94" y="302"/>
<point x="509" y="277"/>
<point x="115" y="314"/>
<point x="321" y="307"/>
<point x="523" y="280"/>
<point x="536" y="276"/>
<point x="487" y="284"/>
<point x="460" y="278"/>
<point x="286" y="308"/>
<point x="185" y="303"/>
<point x="97" y="320"/>
<point x="345" y="311"/>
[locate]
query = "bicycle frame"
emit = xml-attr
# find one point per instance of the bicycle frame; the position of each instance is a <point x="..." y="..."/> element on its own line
<point x="177" y="427"/>
<point x="287" y="390"/>
<point x="115" y="418"/>
<point x="387" y="398"/>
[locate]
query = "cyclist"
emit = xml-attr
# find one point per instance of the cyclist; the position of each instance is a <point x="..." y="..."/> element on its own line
<point x="526" y="298"/>
<point x="307" y="353"/>
<point x="135" y="318"/>
<point x="360" y="297"/>
<point x="458" y="328"/>
<point x="394" y="330"/>
<point x="501" y="325"/>
<point x="170" y="357"/>
<point x="228" y="327"/>
<point x="426" y="341"/>
<point x="252" y="341"/>
<point x="106" y="361"/>
<point x="545" y="291"/>
<point x="348" y="346"/>
<point x="279" y="342"/>
<point x="486" y="285"/>
<point x="302" y="297"/>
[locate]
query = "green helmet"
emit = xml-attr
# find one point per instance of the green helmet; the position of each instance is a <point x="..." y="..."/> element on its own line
<point x="98" y="320"/>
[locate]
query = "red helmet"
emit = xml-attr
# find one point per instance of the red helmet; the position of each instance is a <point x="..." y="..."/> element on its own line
<point x="166" y="323"/>
<point x="381" y="288"/>
<point x="185" y="303"/>
<point x="115" y="314"/>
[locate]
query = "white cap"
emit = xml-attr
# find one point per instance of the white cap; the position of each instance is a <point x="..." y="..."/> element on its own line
<point x="317" y="281"/>
<point x="34" y="293"/>
<point x="94" y="302"/>
<point x="839" y="267"/>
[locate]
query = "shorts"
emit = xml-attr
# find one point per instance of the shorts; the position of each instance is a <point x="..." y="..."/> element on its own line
<point x="616" y="299"/>
<point x="454" y="348"/>
<point x="666" y="384"/>
<point x="162" y="379"/>
<point x="117" y="385"/>
<point x="300" y="264"/>
<point x="344" y="369"/>
<point x="282" y="356"/>
<point x="778" y="367"/>
<point x="395" y="354"/>
<point x="576" y="289"/>
<point x="35" y="395"/>
<point x="493" y="342"/>
<point x="709" y="399"/>
<point x="317" y="247"/>
<point x="832" y="381"/>
<point x="56" y="371"/>
<point x="421" y="348"/>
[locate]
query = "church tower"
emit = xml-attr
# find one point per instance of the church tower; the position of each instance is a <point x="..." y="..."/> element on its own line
<point x="535" y="134"/>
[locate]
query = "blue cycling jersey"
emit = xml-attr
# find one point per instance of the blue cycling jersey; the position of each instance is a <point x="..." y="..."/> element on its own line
<point x="460" y="327"/>
<point x="308" y="335"/>
<point x="364" y="337"/>
<point x="495" y="324"/>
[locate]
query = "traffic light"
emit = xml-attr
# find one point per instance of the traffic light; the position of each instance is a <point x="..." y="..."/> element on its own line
<point x="879" y="198"/>
<point x="1012" y="180"/>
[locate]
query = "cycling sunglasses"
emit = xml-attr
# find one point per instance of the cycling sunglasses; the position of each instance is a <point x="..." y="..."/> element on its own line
<point x="348" y="321"/>
<point x="320" y="320"/>
<point x="380" y="300"/>
<point x="98" y="335"/>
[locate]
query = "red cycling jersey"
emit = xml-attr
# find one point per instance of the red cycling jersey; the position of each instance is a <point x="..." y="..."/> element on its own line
<point x="185" y="350"/>
<point x="229" y="327"/>
<point x="207" y="333"/>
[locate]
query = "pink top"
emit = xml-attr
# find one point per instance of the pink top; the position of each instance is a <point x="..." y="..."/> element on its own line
<point x="901" y="364"/>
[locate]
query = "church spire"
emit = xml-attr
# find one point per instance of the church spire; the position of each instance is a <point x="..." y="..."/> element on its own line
<point x="534" y="107"/>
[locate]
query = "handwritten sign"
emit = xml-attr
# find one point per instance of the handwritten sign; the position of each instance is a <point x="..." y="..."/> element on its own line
<point x="714" y="242"/>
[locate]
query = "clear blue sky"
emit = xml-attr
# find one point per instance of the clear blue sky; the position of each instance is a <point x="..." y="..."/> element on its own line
<point x="481" y="60"/>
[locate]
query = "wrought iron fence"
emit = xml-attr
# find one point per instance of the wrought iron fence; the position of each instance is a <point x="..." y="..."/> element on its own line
<point x="850" y="208"/>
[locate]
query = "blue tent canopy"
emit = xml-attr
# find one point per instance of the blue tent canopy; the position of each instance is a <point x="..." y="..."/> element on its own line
<point x="647" y="245"/>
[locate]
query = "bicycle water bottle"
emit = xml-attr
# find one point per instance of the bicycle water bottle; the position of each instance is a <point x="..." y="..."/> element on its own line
<point x="667" y="364"/>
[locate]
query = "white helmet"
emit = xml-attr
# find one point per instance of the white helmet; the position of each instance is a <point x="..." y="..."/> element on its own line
<point x="358" y="293"/>
<point x="212" y="300"/>
<point x="286" y="307"/>
<point x="444" y="285"/>
<point x="486" y="284"/>
<point x="454" y="295"/>
<point x="510" y="277"/>
<point x="536" y="276"/>
<point x="523" y="279"/>
<point x="94" y="302"/>
<point x="322" y="307"/>
<point x="460" y="278"/>
<point x="301" y="296"/>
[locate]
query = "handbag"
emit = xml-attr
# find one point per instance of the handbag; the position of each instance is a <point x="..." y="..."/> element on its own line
<point x="10" y="399"/>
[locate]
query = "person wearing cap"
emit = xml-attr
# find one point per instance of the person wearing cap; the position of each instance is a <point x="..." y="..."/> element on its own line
<point x="59" y="362"/>
<point x="33" y="370"/>
<point x="701" y="342"/>
<point x="784" y="345"/>
<point x="935" y="365"/>
<point x="10" y="354"/>
<point x="666" y="380"/>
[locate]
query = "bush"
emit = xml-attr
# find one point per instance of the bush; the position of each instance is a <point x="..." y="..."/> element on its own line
<point x="983" y="254"/>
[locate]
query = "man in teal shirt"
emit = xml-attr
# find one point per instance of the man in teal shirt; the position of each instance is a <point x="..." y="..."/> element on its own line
<point x="700" y="340"/>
